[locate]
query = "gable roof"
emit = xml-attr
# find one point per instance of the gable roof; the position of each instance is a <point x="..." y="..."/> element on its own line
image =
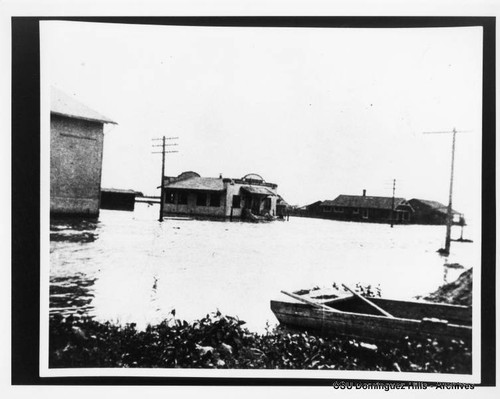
<point x="198" y="183"/>
<point x="359" y="201"/>
<point x="431" y="204"/>
<point x="281" y="201"/>
<point x="317" y="203"/>
<point x="258" y="190"/>
<point x="434" y="205"/>
<point x="62" y="104"/>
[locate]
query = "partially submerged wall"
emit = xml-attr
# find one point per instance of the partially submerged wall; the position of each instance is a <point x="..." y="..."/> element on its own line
<point x="76" y="148"/>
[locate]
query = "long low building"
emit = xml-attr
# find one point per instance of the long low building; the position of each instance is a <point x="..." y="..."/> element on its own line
<point x="364" y="208"/>
<point x="189" y="194"/>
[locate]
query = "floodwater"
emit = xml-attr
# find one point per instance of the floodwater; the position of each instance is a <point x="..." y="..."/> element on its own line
<point x="128" y="267"/>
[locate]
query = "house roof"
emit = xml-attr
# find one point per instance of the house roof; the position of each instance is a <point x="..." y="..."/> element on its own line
<point x="435" y="205"/>
<point x="258" y="190"/>
<point x="281" y="201"/>
<point x="359" y="201"/>
<point x="198" y="183"/>
<point x="432" y="204"/>
<point x="63" y="104"/>
<point x="313" y="204"/>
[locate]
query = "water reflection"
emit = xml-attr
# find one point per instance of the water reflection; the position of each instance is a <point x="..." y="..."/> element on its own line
<point x="73" y="230"/>
<point x="71" y="295"/>
<point x="71" y="291"/>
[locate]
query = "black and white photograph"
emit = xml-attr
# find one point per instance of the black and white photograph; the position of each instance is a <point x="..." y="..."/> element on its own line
<point x="318" y="206"/>
<point x="250" y="198"/>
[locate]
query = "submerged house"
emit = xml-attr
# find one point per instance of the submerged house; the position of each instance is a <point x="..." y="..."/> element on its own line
<point x="189" y="194"/>
<point x="76" y="147"/>
<point x="363" y="208"/>
<point x="433" y="212"/>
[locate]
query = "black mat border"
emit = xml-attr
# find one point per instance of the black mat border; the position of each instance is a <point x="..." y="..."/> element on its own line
<point x="26" y="188"/>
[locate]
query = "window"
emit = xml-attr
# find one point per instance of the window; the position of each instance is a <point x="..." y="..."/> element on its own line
<point x="355" y="211"/>
<point x="182" y="198"/>
<point x="327" y="209"/>
<point x="169" y="197"/>
<point x="201" y="199"/>
<point x="338" y="209"/>
<point x="236" y="201"/>
<point x="365" y="213"/>
<point x="214" y="200"/>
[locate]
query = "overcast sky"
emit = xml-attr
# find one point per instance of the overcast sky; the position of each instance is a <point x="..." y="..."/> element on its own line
<point x="320" y="112"/>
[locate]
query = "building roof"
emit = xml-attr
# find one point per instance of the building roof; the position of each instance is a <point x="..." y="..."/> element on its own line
<point x="360" y="201"/>
<point x="435" y="205"/>
<point x="63" y="104"/>
<point x="198" y="183"/>
<point x="258" y="190"/>
<point x="118" y="190"/>
<point x="317" y="203"/>
<point x="431" y="204"/>
<point x="282" y="202"/>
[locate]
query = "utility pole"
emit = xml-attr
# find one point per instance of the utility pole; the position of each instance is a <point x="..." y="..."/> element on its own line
<point x="392" y="207"/>
<point x="449" y="219"/>
<point x="162" y="185"/>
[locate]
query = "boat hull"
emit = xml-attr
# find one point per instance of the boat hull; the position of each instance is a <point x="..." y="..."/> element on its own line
<point x="377" y="327"/>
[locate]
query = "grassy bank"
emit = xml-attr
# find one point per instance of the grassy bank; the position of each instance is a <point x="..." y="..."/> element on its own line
<point x="219" y="341"/>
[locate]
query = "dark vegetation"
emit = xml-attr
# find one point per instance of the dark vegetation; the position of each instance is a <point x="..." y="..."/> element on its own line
<point x="218" y="341"/>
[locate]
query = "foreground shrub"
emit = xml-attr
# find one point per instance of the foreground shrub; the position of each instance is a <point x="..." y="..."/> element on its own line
<point x="218" y="341"/>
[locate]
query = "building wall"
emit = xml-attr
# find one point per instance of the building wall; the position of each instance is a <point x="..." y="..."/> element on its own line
<point x="117" y="200"/>
<point x="363" y="214"/>
<point x="76" y="148"/>
<point x="191" y="208"/>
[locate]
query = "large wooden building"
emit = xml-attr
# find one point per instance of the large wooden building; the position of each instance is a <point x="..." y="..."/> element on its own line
<point x="189" y="194"/>
<point x="76" y="148"/>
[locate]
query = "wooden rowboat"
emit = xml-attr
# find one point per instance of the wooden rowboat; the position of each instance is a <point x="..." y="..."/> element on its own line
<point x="336" y="312"/>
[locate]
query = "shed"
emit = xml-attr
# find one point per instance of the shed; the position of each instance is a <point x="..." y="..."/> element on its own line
<point x="118" y="199"/>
